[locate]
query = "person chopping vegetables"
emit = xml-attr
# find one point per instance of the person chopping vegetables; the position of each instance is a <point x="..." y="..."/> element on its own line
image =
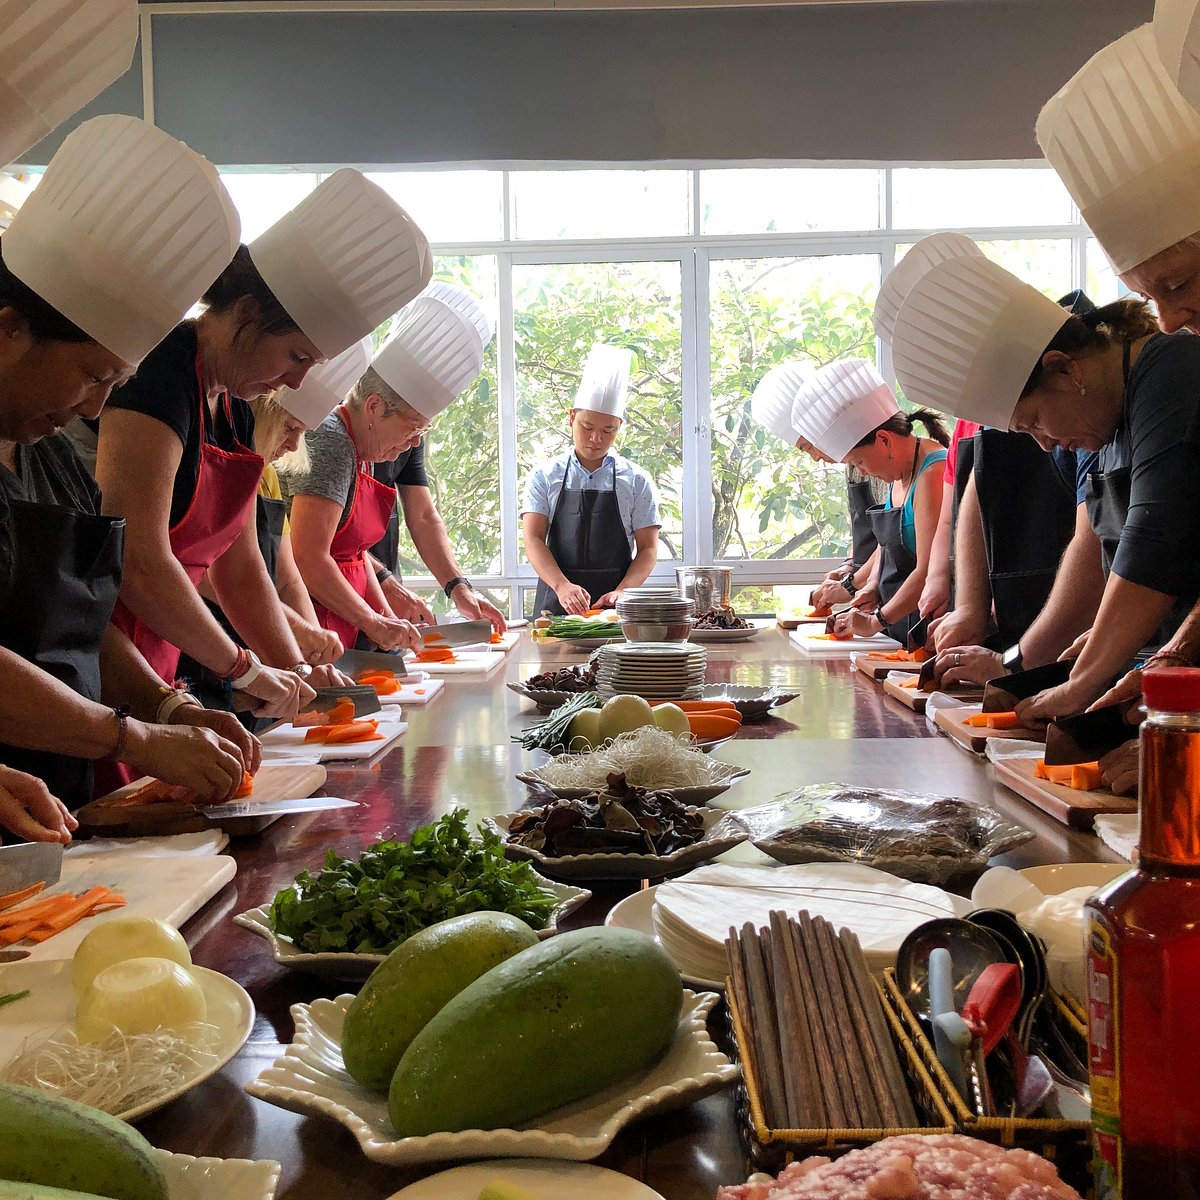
<point x="339" y="510"/>
<point x="850" y="413"/>
<point x="317" y="281"/>
<point x="590" y="521"/>
<point x="76" y="690"/>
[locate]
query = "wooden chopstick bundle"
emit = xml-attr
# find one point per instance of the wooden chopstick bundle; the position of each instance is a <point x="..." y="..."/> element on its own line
<point x="820" y="1043"/>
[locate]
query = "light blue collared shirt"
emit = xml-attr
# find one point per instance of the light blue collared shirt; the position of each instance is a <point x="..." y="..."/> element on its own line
<point x="636" y="497"/>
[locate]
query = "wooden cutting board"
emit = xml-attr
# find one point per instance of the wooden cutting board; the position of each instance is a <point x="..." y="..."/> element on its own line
<point x="806" y="643"/>
<point x="916" y="699"/>
<point x="950" y="721"/>
<point x="1072" y="807"/>
<point x="274" y="781"/>
<point x="875" y="667"/>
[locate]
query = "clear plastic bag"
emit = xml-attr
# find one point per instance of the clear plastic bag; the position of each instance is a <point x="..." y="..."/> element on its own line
<point x="928" y="839"/>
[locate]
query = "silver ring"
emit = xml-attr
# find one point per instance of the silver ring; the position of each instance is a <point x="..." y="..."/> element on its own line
<point x="958" y="660"/>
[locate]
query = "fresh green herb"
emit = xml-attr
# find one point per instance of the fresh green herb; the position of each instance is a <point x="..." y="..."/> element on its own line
<point x="371" y="904"/>
<point x="551" y="733"/>
<point x="12" y="997"/>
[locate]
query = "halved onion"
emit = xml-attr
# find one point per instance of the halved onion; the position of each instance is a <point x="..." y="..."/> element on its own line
<point x="139" y="995"/>
<point x="120" y="937"/>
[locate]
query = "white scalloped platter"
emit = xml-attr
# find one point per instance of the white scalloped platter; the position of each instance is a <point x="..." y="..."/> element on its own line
<point x="721" y="777"/>
<point x="351" y="967"/>
<point x="310" y="1079"/>
<point x="191" y="1178"/>
<point x="542" y="1178"/>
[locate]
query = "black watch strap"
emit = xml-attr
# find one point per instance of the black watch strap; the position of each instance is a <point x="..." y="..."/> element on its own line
<point x="1012" y="660"/>
<point x="454" y="583"/>
<point x="847" y="582"/>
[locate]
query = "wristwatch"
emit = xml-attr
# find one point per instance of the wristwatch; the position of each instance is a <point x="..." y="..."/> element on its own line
<point x="454" y="583"/>
<point x="847" y="581"/>
<point x="1011" y="659"/>
<point x="382" y="574"/>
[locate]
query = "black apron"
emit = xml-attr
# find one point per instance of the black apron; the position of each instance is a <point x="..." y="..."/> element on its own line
<point x="588" y="540"/>
<point x="862" y="540"/>
<point x="964" y="466"/>
<point x="270" y="516"/>
<point x="1028" y="515"/>
<point x="65" y="585"/>
<point x="896" y="561"/>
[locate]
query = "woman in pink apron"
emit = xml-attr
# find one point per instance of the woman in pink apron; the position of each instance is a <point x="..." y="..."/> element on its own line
<point x="173" y="453"/>
<point x="339" y="510"/>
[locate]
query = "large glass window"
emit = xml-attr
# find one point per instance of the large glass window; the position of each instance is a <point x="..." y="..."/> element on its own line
<point x="789" y="200"/>
<point x="600" y="204"/>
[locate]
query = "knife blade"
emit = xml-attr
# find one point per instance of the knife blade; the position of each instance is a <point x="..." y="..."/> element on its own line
<point x="926" y="677"/>
<point x="355" y="662"/>
<point x="1003" y="693"/>
<point x="455" y="633"/>
<point x="918" y="634"/>
<point x="365" y="699"/>
<point x="273" y="808"/>
<point x="28" y="863"/>
<point x="1087" y="737"/>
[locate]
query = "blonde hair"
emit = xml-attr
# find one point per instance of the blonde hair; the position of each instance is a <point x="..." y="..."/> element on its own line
<point x="371" y="383"/>
<point x="269" y="419"/>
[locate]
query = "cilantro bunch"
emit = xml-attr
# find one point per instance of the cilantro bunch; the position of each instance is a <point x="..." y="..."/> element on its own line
<point x="371" y="904"/>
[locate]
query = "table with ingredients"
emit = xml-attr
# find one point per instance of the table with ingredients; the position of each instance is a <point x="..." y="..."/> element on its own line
<point x="822" y="779"/>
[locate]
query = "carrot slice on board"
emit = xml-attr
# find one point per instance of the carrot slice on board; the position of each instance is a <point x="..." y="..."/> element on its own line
<point x="386" y="687"/>
<point x="32" y="911"/>
<point x="910" y="682"/>
<point x="348" y="734"/>
<point x="1086" y="777"/>
<point x="998" y="720"/>
<point x="341" y="712"/>
<point x="245" y="788"/>
<point x="814" y="613"/>
<point x="18" y="897"/>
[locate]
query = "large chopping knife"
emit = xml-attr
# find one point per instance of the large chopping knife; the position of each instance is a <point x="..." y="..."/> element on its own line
<point x="1088" y="736"/>
<point x="1003" y="694"/>
<point x="918" y="635"/>
<point x="23" y="865"/>
<point x="455" y="633"/>
<point x="355" y="662"/>
<point x="272" y="808"/>
<point x="365" y="700"/>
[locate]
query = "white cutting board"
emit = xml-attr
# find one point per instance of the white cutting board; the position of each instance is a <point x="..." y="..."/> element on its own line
<point x="805" y="641"/>
<point x="287" y="742"/>
<point x="419" y="691"/>
<point x="467" y="662"/>
<point x="509" y="639"/>
<point x="168" y="886"/>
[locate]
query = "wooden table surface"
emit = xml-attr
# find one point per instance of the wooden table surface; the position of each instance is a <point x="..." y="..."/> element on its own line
<point x="457" y="753"/>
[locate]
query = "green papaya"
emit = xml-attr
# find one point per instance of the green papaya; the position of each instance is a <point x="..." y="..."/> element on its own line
<point x="413" y="983"/>
<point x="39" y="1191"/>
<point x="554" y="1023"/>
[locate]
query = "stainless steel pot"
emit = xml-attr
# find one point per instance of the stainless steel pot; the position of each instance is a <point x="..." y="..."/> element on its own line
<point x="709" y="587"/>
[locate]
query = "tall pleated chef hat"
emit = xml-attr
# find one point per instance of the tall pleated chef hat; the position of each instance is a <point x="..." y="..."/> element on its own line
<point x="13" y="193"/>
<point x="968" y="336"/>
<point x="1127" y="146"/>
<point x="431" y="357"/>
<point x="462" y="302"/>
<point x="343" y="260"/>
<point x="126" y="231"/>
<point x="55" y="56"/>
<point x="842" y="403"/>
<point x="929" y="251"/>
<point x="1177" y="39"/>
<point x="771" y="403"/>
<point x="326" y="384"/>
<point x="604" y="385"/>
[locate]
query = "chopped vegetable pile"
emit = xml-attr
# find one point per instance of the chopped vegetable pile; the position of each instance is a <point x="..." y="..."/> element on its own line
<point x="1083" y="777"/>
<point x="371" y="904"/>
<point x="23" y="918"/>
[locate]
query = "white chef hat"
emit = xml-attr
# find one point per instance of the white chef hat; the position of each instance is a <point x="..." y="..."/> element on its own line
<point x="462" y="302"/>
<point x="432" y="356"/>
<point x="1177" y="39"/>
<point x="1127" y="146"/>
<point x="343" y="260"/>
<point x="126" y="231"/>
<point x="771" y="403"/>
<point x="605" y="381"/>
<point x="926" y="253"/>
<point x="13" y="193"/>
<point x="55" y="56"/>
<point x="325" y="386"/>
<point x="842" y="403"/>
<point x="968" y="337"/>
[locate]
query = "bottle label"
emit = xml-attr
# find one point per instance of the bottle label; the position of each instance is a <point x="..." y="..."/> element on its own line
<point x="1104" y="1060"/>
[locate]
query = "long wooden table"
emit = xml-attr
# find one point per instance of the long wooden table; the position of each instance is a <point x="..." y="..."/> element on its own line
<point x="457" y="753"/>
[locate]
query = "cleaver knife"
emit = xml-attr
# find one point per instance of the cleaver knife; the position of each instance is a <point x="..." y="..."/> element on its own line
<point x="272" y="808"/>
<point x="1088" y="736"/>
<point x="1003" y="693"/>
<point x="365" y="699"/>
<point x="918" y="635"/>
<point x="29" y="863"/>
<point x="355" y="662"/>
<point x="455" y="633"/>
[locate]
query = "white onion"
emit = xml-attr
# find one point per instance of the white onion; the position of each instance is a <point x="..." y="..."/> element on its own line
<point x="139" y="996"/>
<point x="120" y="937"/>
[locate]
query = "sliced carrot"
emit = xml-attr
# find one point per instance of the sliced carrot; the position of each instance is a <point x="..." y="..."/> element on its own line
<point x="996" y="720"/>
<point x="342" y="711"/>
<point x="726" y="707"/>
<point x="814" y="613"/>
<point x="831" y="637"/>
<point x="434" y="638"/>
<point x="910" y="682"/>
<point x="19" y="897"/>
<point x="1086" y="777"/>
<point x="376" y="676"/>
<point x="436" y="656"/>
<point x="418" y="691"/>
<point x="55" y="913"/>
<point x="245" y="788"/>
<point x="33" y="911"/>
<point x="347" y="734"/>
<point x="497" y="640"/>
<point x="386" y="687"/>
<point x="706" y="726"/>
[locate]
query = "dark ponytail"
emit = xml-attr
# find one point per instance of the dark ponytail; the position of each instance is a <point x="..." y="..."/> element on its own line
<point x="46" y="323"/>
<point x="902" y="425"/>
<point x="1094" y="330"/>
<point x="241" y="283"/>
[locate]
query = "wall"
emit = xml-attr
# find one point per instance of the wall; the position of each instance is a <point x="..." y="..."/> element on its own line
<point x="956" y="80"/>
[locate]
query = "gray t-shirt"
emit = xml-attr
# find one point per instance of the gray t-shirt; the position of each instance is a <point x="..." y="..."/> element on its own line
<point x="331" y="466"/>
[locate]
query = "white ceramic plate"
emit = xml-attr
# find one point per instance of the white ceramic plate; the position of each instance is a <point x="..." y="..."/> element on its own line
<point x="750" y="701"/>
<point x="340" y="965"/>
<point x="310" y="1078"/>
<point x="629" y="866"/>
<point x="541" y="1178"/>
<point x="1063" y="877"/>
<point x="722" y="776"/>
<point x="51" y="1005"/>
<point x="637" y="912"/>
<point x="724" y="635"/>
<point x="589" y="643"/>
<point x="191" y="1178"/>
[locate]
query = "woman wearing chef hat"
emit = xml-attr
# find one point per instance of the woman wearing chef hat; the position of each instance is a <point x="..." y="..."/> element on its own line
<point x="125" y="231"/>
<point x="850" y="413"/>
<point x="339" y="510"/>
<point x="590" y="521"/>
<point x="771" y="406"/>
<point x="973" y="340"/>
<point x="317" y="281"/>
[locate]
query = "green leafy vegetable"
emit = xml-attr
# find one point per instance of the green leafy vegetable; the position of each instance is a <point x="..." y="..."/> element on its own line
<point x="551" y="734"/>
<point x="583" y="627"/>
<point x="11" y="997"/>
<point x="371" y="904"/>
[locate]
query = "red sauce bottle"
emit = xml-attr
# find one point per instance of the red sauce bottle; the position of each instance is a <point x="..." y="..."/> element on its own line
<point x="1143" y="941"/>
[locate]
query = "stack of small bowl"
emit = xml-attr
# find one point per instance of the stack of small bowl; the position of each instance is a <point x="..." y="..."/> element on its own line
<point x="655" y="614"/>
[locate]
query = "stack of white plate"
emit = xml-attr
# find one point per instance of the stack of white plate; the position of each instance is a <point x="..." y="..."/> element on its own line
<point x="670" y="671"/>
<point x="693" y="914"/>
